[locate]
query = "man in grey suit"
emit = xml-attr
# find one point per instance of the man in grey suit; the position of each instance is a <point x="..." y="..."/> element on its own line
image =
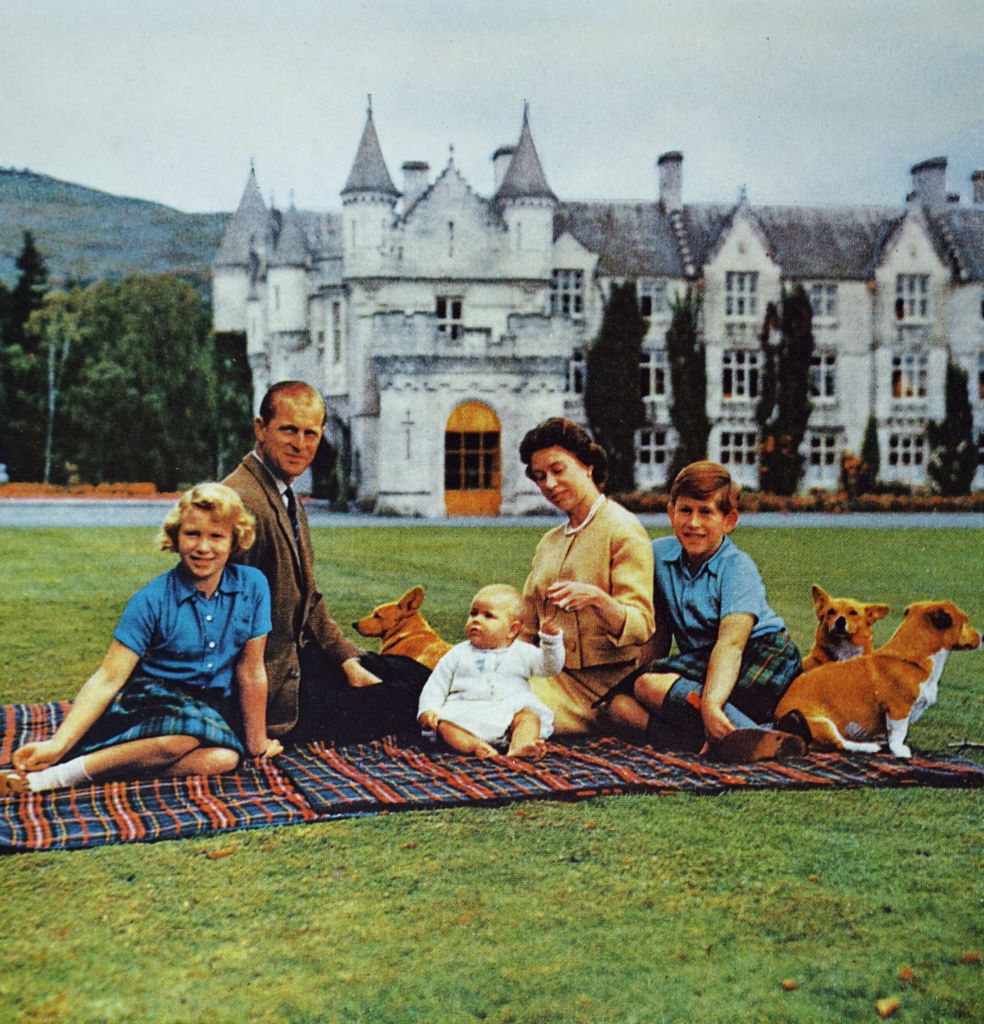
<point x="321" y="686"/>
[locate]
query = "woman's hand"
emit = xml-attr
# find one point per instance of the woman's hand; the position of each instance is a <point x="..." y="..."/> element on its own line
<point x="357" y="674"/>
<point x="32" y="757"/>
<point x="572" y="596"/>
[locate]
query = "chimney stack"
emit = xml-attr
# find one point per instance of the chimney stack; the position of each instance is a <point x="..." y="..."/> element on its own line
<point x="501" y="160"/>
<point x="670" y="171"/>
<point x="977" y="180"/>
<point x="415" y="182"/>
<point x="929" y="184"/>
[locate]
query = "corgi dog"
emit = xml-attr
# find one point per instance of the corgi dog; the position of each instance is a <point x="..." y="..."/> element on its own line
<point x="843" y="628"/>
<point x="403" y="630"/>
<point x="850" y="705"/>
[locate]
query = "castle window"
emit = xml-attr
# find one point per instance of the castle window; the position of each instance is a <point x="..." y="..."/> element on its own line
<point x="909" y="375"/>
<point x="823" y="375"/>
<point x="824" y="454"/>
<point x="567" y="293"/>
<point x="740" y="373"/>
<point x="980" y="376"/>
<point x="653" y="377"/>
<point x="336" y="332"/>
<point x="576" y="372"/>
<point x="738" y="448"/>
<point x="652" y="297"/>
<point x="651" y="447"/>
<point x="823" y="299"/>
<point x="912" y="296"/>
<point x="740" y="294"/>
<point x="906" y="448"/>
<point x="980" y="448"/>
<point x="449" y="316"/>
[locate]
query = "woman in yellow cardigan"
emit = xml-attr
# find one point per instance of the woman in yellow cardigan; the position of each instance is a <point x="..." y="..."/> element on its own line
<point x="596" y="570"/>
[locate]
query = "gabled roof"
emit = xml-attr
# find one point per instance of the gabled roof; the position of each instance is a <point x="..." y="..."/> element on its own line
<point x="292" y="248"/>
<point x="247" y="228"/>
<point x="369" y="173"/>
<point x="630" y="239"/>
<point x="524" y="177"/>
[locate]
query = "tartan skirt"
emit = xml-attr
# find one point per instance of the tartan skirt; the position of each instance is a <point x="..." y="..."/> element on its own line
<point x="147" y="707"/>
<point x="768" y="665"/>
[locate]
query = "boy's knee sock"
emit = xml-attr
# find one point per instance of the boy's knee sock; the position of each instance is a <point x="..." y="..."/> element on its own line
<point x="59" y="776"/>
<point x="680" y="711"/>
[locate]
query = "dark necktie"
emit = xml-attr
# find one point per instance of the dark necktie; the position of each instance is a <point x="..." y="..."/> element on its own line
<point x="292" y="514"/>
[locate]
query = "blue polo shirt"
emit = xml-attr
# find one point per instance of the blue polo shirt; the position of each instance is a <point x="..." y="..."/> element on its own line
<point x="183" y="636"/>
<point x="695" y="604"/>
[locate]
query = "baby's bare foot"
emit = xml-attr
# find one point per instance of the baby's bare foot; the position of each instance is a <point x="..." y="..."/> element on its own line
<point x="532" y="751"/>
<point x="485" y="750"/>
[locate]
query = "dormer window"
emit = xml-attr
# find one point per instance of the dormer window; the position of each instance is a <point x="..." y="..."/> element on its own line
<point x="740" y="294"/>
<point x="912" y="297"/>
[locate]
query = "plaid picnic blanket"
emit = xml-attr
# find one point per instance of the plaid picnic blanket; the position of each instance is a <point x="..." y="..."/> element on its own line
<point x="319" y="783"/>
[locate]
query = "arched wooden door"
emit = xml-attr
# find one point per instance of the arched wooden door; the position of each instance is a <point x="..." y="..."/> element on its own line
<point x="472" y="461"/>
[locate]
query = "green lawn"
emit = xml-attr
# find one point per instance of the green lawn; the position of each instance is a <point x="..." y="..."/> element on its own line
<point x="649" y="909"/>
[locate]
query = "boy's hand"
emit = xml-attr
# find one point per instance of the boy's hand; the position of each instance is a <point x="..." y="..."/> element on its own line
<point x="429" y="721"/>
<point x="716" y="723"/>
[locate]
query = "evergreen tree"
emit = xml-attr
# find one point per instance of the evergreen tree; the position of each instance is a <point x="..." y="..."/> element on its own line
<point x="784" y="404"/>
<point x="870" y="459"/>
<point x="28" y="293"/>
<point x="688" y="382"/>
<point x="612" y="398"/>
<point x="952" y="452"/>
<point x="23" y="383"/>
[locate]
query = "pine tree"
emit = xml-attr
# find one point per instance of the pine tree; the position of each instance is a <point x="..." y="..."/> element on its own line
<point x="952" y="452"/>
<point x="784" y="404"/>
<point x="612" y="396"/>
<point x="688" y="382"/>
<point x="28" y="293"/>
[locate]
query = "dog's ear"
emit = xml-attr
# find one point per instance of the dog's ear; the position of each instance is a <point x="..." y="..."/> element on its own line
<point x="939" y="618"/>
<point x="820" y="598"/>
<point x="876" y="612"/>
<point x="412" y="600"/>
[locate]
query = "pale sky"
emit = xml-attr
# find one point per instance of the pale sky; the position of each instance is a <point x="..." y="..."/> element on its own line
<point x="801" y="101"/>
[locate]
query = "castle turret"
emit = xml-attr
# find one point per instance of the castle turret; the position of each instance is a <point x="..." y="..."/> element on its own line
<point x="287" y="287"/>
<point x="368" y="198"/>
<point x="240" y="258"/>
<point x="526" y="204"/>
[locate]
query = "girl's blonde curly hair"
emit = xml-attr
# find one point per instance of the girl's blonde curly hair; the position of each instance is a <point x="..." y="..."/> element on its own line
<point x="223" y="503"/>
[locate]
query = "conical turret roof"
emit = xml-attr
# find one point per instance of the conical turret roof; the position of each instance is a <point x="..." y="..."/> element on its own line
<point x="246" y="229"/>
<point x="524" y="178"/>
<point x="369" y="173"/>
<point x="292" y="249"/>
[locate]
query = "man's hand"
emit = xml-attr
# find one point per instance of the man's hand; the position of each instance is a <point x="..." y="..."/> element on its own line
<point x="357" y="675"/>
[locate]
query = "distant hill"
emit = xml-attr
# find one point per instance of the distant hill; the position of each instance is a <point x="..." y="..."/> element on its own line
<point x="87" y="235"/>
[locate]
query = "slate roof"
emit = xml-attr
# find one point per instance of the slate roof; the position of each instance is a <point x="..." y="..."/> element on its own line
<point x="961" y="232"/>
<point x="369" y="173"/>
<point x="631" y="239"/>
<point x="247" y="227"/>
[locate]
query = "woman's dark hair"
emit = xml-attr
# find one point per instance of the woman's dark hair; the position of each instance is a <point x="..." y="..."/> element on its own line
<point x="558" y="432"/>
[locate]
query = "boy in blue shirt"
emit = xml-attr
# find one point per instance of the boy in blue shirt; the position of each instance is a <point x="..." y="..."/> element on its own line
<point x="735" y="658"/>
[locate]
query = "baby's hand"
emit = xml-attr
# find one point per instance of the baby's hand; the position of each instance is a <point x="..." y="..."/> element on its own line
<point x="273" y="748"/>
<point x="548" y="624"/>
<point x="429" y="721"/>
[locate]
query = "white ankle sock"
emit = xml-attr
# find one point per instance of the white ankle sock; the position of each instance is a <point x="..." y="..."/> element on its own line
<point x="59" y="776"/>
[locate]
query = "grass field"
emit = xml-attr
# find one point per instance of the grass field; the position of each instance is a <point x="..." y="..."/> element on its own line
<point x="648" y="909"/>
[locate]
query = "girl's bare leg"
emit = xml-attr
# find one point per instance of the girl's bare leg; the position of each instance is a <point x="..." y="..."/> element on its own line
<point x="525" y="740"/>
<point x="463" y="741"/>
<point x="158" y="755"/>
<point x="203" y="761"/>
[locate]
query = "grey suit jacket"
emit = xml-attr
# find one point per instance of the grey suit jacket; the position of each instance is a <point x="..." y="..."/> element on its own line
<point x="298" y="610"/>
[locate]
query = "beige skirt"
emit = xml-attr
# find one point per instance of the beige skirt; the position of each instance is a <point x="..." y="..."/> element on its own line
<point x="571" y="693"/>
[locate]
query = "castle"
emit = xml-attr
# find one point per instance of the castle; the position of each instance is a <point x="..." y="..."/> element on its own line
<point x="441" y="324"/>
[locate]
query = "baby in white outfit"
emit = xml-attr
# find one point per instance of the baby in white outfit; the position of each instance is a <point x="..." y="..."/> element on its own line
<point x="478" y="698"/>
